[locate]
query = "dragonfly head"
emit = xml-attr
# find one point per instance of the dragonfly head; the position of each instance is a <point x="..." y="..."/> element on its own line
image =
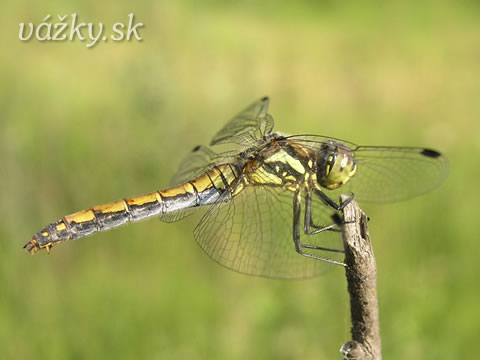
<point x="335" y="165"/>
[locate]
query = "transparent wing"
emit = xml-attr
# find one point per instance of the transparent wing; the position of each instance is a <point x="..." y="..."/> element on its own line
<point x="316" y="141"/>
<point x="252" y="234"/>
<point x="245" y="130"/>
<point x="387" y="174"/>
<point x="247" y="127"/>
<point x="199" y="161"/>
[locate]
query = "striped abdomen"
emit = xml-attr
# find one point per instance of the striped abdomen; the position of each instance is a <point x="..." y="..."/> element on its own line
<point x="204" y="190"/>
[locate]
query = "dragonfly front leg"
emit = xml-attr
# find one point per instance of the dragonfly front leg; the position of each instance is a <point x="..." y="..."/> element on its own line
<point x="299" y="246"/>
<point x="324" y="197"/>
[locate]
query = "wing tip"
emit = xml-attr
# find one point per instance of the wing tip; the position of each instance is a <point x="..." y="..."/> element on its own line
<point x="430" y="153"/>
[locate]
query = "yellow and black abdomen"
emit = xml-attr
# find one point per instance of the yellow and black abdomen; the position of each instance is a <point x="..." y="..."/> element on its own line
<point x="203" y="190"/>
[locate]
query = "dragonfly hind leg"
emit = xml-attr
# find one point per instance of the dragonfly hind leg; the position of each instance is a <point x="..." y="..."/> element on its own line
<point x="299" y="246"/>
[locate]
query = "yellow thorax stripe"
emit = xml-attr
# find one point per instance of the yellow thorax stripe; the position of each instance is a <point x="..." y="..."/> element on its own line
<point x="283" y="157"/>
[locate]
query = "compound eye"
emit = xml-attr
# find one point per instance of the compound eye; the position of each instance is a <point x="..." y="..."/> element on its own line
<point x="330" y="164"/>
<point x="338" y="168"/>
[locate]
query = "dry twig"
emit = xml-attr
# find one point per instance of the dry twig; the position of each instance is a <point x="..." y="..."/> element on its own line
<point x="361" y="275"/>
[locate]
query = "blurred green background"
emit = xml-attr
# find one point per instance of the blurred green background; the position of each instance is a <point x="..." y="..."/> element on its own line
<point x="84" y="126"/>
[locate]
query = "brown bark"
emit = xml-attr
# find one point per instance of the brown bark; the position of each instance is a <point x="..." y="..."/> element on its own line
<point x="361" y="273"/>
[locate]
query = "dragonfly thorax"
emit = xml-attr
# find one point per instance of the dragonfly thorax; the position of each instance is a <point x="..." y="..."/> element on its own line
<point x="335" y="165"/>
<point x="279" y="164"/>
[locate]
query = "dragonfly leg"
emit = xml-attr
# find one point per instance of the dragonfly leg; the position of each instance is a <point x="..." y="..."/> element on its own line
<point x="324" y="197"/>
<point x="296" y="235"/>
<point x="308" y="223"/>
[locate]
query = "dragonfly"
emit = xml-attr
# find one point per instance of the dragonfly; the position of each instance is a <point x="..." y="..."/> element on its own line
<point x="269" y="198"/>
